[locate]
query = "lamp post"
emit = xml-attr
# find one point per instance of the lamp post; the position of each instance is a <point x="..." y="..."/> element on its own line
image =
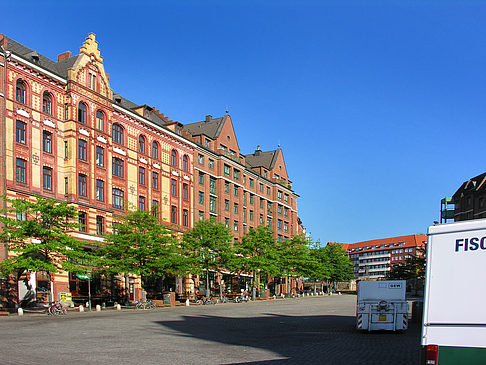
<point x="89" y="288"/>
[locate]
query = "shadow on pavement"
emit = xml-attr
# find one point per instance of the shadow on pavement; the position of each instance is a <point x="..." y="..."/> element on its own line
<point x="323" y="339"/>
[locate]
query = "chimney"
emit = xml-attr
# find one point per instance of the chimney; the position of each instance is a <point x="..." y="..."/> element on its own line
<point x="257" y="151"/>
<point x="63" y="56"/>
<point x="209" y="118"/>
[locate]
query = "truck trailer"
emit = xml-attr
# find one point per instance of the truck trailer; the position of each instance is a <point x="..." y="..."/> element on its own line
<point x="382" y="306"/>
<point x="454" y="320"/>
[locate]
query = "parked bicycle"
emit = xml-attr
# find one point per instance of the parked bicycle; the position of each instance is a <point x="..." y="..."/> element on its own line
<point x="56" y="309"/>
<point x="149" y="304"/>
<point x="205" y="301"/>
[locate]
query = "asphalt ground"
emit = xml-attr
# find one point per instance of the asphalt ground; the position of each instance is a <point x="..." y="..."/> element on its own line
<point x="309" y="330"/>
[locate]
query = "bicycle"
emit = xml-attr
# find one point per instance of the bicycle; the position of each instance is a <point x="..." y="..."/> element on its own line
<point x="205" y="301"/>
<point x="149" y="304"/>
<point x="56" y="309"/>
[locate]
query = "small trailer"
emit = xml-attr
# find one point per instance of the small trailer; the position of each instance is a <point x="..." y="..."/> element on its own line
<point x="382" y="306"/>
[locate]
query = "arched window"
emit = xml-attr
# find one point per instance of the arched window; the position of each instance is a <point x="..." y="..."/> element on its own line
<point x="185" y="163"/>
<point x="117" y="133"/>
<point x="155" y="150"/>
<point x="82" y="112"/>
<point x="141" y="144"/>
<point x="173" y="158"/>
<point x="20" y="92"/>
<point x="100" y="120"/>
<point x="46" y="103"/>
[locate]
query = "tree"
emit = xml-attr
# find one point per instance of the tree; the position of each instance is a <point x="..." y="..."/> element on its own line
<point x="37" y="234"/>
<point x="258" y="253"/>
<point x="208" y="247"/>
<point x="413" y="270"/>
<point x="340" y="267"/>
<point x="141" y="245"/>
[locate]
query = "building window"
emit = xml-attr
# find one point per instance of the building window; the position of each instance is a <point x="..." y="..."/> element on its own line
<point x="173" y="214"/>
<point x="268" y="190"/>
<point x="212" y="185"/>
<point x="236" y="226"/>
<point x="265" y="174"/>
<point x="20" y="170"/>
<point x="236" y="174"/>
<point x="83" y="221"/>
<point x="210" y="164"/>
<point x="155" y="208"/>
<point x="100" y="156"/>
<point x="141" y="203"/>
<point x="141" y="144"/>
<point x="201" y="197"/>
<point x="100" y="225"/>
<point x="226" y="222"/>
<point x="82" y="185"/>
<point x="100" y="121"/>
<point x="141" y="175"/>
<point x="173" y="158"/>
<point x="251" y="182"/>
<point x="100" y="190"/>
<point x="46" y="103"/>
<point x="279" y="209"/>
<point x="227" y="170"/>
<point x="117" y="133"/>
<point x="47" y="178"/>
<point x="226" y="205"/>
<point x="82" y="150"/>
<point x="236" y="190"/>
<point x="226" y="187"/>
<point x="212" y="204"/>
<point x="155" y="180"/>
<point x="117" y="167"/>
<point x="236" y="208"/>
<point x="279" y="224"/>
<point x="20" y="132"/>
<point x="117" y="198"/>
<point x="261" y="188"/>
<point x="173" y="187"/>
<point x="279" y="195"/>
<point x="261" y="203"/>
<point x="21" y="215"/>
<point x="155" y="150"/>
<point x="251" y="215"/>
<point x="251" y="199"/>
<point x="201" y="216"/>
<point x="185" y="163"/>
<point x="261" y="218"/>
<point x="46" y="141"/>
<point x="82" y="112"/>
<point x="185" y="218"/>
<point x="91" y="81"/>
<point x="207" y="143"/>
<point x="200" y="159"/>
<point x="286" y="198"/>
<point x="20" y="92"/>
<point x="185" y="194"/>
<point x="286" y="212"/>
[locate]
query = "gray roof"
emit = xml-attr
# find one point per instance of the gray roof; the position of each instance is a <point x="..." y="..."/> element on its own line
<point x="263" y="159"/>
<point x="475" y="184"/>
<point x="211" y="128"/>
<point x="58" y="68"/>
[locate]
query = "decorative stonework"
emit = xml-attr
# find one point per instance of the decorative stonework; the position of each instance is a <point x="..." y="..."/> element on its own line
<point x="119" y="150"/>
<point x="101" y="139"/>
<point x="142" y="160"/>
<point x="84" y="132"/>
<point x="157" y="166"/>
<point x="49" y="123"/>
<point x="23" y="113"/>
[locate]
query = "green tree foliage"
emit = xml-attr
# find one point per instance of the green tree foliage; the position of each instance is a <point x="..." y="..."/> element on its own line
<point x="412" y="269"/>
<point x="340" y="267"/>
<point x="295" y="257"/>
<point x="140" y="244"/>
<point x="39" y="239"/>
<point x="208" y="247"/>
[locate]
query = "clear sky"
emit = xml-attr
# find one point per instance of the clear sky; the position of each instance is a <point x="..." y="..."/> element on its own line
<point x="379" y="106"/>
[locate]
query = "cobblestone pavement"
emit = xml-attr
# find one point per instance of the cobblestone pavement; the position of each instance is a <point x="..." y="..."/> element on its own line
<point x="310" y="330"/>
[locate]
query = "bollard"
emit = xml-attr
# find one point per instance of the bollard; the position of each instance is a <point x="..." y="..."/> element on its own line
<point x="187" y="302"/>
<point x="118" y="307"/>
<point x="20" y="312"/>
<point x="87" y="305"/>
<point x="81" y="308"/>
<point x="98" y="308"/>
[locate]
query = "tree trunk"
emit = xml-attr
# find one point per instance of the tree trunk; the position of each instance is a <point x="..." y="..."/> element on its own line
<point x="127" y="288"/>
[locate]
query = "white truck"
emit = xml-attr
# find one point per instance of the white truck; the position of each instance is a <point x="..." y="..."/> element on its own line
<point x="454" y="321"/>
<point x="382" y="306"/>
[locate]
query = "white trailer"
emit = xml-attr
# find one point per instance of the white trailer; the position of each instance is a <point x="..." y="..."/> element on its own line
<point x="454" y="321"/>
<point x="382" y="306"/>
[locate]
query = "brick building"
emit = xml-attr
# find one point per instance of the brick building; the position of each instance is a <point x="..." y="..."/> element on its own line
<point x="373" y="259"/>
<point x="470" y="199"/>
<point x="66" y="135"/>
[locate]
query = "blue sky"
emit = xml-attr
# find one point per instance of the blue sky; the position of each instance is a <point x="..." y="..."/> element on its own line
<point x="379" y="106"/>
